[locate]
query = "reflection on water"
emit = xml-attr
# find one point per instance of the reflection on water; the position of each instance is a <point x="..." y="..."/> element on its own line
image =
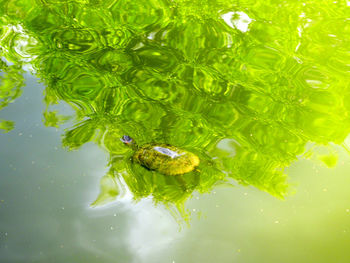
<point x="245" y="86"/>
<point x="248" y="86"/>
<point x="10" y="89"/>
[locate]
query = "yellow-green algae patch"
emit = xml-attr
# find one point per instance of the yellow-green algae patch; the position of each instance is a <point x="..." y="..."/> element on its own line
<point x="330" y="160"/>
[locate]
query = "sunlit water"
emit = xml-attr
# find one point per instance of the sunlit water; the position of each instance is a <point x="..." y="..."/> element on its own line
<point x="258" y="90"/>
<point x="45" y="213"/>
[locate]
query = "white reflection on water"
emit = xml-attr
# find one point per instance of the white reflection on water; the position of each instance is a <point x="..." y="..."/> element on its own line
<point x="239" y="20"/>
<point x="153" y="230"/>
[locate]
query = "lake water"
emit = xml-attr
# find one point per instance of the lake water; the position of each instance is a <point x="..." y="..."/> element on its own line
<point x="258" y="90"/>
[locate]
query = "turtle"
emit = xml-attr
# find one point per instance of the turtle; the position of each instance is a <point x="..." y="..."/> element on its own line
<point x="163" y="158"/>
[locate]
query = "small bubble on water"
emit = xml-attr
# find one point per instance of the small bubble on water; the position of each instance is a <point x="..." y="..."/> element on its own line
<point x="114" y="214"/>
<point x="112" y="228"/>
<point x="347" y="210"/>
<point x="277" y="222"/>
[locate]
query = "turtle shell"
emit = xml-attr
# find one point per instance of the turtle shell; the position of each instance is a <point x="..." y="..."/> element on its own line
<point x="166" y="159"/>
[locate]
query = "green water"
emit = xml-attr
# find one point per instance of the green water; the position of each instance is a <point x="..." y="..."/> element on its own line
<point x="254" y="88"/>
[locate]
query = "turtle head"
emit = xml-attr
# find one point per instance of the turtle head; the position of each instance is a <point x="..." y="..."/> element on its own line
<point x="127" y="140"/>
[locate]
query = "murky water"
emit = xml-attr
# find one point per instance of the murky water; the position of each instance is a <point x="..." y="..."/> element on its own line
<point x="258" y="90"/>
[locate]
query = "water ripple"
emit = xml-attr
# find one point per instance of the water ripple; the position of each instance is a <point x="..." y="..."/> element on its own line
<point x="243" y="85"/>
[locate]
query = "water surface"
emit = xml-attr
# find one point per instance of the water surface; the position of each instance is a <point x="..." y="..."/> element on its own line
<point x="257" y="89"/>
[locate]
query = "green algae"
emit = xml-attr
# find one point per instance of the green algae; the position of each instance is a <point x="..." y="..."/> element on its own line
<point x="11" y="82"/>
<point x="329" y="160"/>
<point x="245" y="85"/>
